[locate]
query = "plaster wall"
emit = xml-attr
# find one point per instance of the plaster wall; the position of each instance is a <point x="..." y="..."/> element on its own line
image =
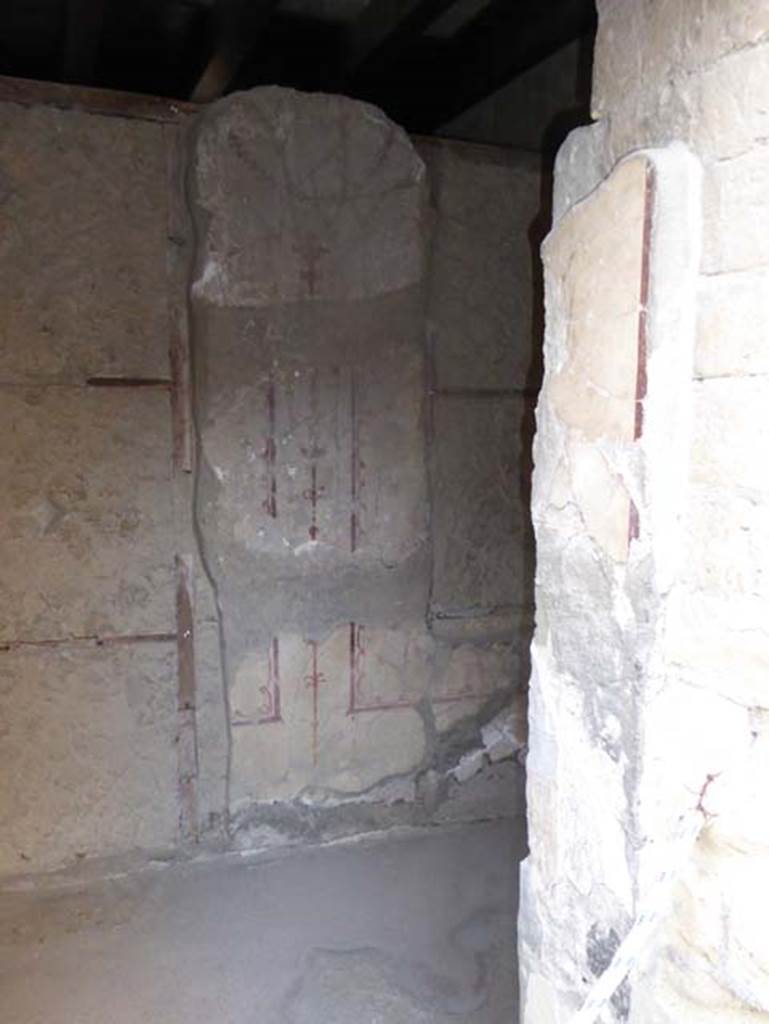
<point x="265" y="638"/>
<point x="648" y="715"/>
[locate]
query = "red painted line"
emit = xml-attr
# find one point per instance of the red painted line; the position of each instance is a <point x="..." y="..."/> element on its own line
<point x="269" y="454"/>
<point x="313" y="453"/>
<point x="129" y="382"/>
<point x="314" y="502"/>
<point x="643" y="312"/>
<point x="361" y="709"/>
<point x="356" y="678"/>
<point x="91" y="640"/>
<point x="271" y="712"/>
<point x="177" y="264"/>
<point x="276" y="679"/>
<point x="353" y="667"/>
<point x="313" y="680"/>
<point x="354" y="463"/>
<point x="185" y="635"/>
<point x="181" y="415"/>
<point x="634" y="524"/>
<point x="310" y="251"/>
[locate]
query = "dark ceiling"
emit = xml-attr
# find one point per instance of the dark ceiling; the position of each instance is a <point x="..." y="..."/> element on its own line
<point x="423" y="61"/>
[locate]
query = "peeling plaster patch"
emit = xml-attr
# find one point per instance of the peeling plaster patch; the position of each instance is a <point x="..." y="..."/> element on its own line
<point x="307" y="548"/>
<point x="211" y="281"/>
<point x="504" y="738"/>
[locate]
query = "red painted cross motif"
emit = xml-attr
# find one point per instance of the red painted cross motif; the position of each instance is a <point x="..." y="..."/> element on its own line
<point x="310" y="251"/>
<point x="314" y="492"/>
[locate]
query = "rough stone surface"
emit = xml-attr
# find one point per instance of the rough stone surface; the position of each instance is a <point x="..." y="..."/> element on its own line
<point x="649" y="696"/>
<point x="736" y="194"/>
<point x="697" y="61"/>
<point x="621" y="277"/>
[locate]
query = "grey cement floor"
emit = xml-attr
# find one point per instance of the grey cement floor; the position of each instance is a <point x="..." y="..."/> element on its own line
<point x="411" y="930"/>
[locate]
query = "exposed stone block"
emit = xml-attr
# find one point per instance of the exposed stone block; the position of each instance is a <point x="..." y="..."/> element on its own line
<point x="730" y="428"/>
<point x="721" y="643"/>
<point x="737" y="194"/>
<point x="651" y="40"/>
<point x="728" y="542"/>
<point x="733" y="310"/>
<point x="307" y="197"/>
<point x="730" y="114"/>
<point x="469" y="765"/>
<point x="507" y="733"/>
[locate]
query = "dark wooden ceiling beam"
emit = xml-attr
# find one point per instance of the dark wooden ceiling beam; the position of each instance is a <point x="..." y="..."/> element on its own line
<point x="384" y="28"/>
<point x="434" y="84"/>
<point x="237" y="26"/>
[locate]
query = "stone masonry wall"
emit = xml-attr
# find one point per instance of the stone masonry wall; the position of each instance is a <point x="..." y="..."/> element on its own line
<point x="649" y="735"/>
<point x="360" y="656"/>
